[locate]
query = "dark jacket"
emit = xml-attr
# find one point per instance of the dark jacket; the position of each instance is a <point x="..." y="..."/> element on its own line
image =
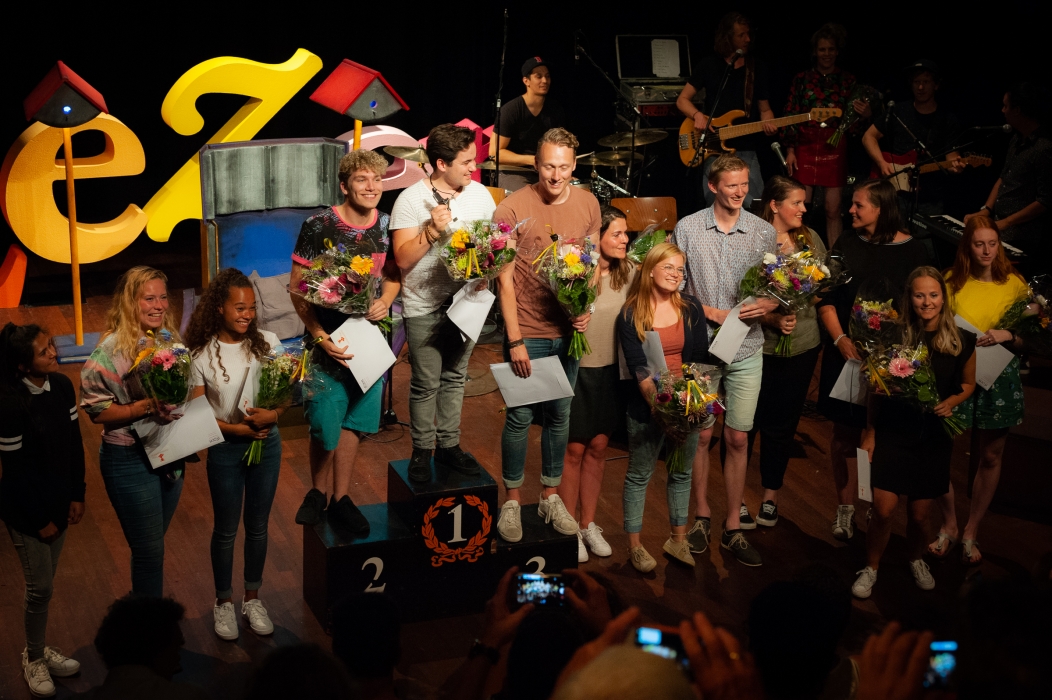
<point x="695" y="349"/>
<point x="42" y="456"/>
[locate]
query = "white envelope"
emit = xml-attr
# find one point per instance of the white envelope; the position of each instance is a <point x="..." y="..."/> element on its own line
<point x="469" y="310"/>
<point x="372" y="354"/>
<point x="165" y="443"/>
<point x="547" y="382"/>
<point x="865" y="481"/>
<point x="654" y="352"/>
<point x="990" y="361"/>
<point x="850" y="386"/>
<point x="732" y="333"/>
<point x="249" y="387"/>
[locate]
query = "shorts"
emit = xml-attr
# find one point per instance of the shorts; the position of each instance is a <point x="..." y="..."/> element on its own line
<point x="334" y="402"/>
<point x="740" y="384"/>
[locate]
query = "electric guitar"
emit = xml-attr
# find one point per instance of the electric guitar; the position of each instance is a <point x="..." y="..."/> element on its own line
<point x="908" y="161"/>
<point x="726" y="130"/>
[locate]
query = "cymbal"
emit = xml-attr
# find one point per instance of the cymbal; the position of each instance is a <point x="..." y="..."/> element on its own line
<point x="592" y="159"/>
<point x="618" y="158"/>
<point x="415" y="154"/>
<point x="623" y="139"/>
<point x="491" y="165"/>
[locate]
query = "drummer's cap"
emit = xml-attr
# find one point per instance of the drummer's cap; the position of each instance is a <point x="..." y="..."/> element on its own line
<point x="532" y="64"/>
<point x="924" y="66"/>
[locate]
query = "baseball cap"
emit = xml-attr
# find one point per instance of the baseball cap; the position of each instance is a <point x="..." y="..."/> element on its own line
<point x="532" y="63"/>
<point x="924" y="65"/>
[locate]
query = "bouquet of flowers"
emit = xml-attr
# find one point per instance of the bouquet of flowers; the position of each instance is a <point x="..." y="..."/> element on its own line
<point x="650" y="237"/>
<point x="905" y="372"/>
<point x="866" y="93"/>
<point x="682" y="403"/>
<point x="872" y="325"/>
<point x="344" y="277"/>
<point x="276" y="379"/>
<point x="1029" y="317"/>
<point x="162" y="368"/>
<point x="793" y="281"/>
<point x="569" y="267"/>
<point x="478" y="251"/>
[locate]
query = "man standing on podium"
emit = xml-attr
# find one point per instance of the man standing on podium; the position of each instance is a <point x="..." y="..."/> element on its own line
<point x="422" y="215"/>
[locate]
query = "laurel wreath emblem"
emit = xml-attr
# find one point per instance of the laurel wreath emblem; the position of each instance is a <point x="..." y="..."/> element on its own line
<point x="470" y="551"/>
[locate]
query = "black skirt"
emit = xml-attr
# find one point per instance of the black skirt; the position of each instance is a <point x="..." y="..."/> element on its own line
<point x="599" y="402"/>
<point x="912" y="452"/>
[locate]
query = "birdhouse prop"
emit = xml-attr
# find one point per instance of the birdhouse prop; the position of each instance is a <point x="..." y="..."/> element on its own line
<point x="359" y="92"/>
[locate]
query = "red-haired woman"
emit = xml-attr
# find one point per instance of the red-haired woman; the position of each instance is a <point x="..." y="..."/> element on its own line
<point x="982" y="285"/>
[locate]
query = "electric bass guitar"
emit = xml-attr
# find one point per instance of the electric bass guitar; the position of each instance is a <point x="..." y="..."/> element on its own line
<point x="727" y="130"/>
<point x="908" y="161"/>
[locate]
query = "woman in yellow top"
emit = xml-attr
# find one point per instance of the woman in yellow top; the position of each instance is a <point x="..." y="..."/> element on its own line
<point x="982" y="285"/>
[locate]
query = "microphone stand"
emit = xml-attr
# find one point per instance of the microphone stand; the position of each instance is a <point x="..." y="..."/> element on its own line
<point x="914" y="176"/>
<point x="495" y="177"/>
<point x="712" y="112"/>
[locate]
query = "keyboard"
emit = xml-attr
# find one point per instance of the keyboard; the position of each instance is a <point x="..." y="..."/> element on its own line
<point x="951" y="230"/>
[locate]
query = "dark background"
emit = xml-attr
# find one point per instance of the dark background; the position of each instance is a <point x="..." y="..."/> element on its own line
<point x="443" y="59"/>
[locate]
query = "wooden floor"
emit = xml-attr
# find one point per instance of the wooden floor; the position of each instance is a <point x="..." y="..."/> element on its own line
<point x="94" y="568"/>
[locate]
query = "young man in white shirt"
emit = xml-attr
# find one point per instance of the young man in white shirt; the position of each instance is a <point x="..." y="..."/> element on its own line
<point x="424" y="213"/>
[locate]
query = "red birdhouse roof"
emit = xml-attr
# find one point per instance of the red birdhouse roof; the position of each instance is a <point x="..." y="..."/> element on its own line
<point x="346" y="83"/>
<point x="58" y="76"/>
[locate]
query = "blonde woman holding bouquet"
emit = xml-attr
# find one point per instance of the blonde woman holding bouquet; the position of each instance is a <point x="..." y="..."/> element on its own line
<point x="655" y="304"/>
<point x="227" y="347"/>
<point x="144" y="498"/>
<point x="909" y="449"/>
<point x="982" y="286"/>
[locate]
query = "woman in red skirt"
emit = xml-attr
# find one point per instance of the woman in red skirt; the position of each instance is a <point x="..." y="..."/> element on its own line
<point x="809" y="158"/>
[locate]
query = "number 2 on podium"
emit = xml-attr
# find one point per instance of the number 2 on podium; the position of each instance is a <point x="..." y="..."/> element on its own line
<point x="379" y="564"/>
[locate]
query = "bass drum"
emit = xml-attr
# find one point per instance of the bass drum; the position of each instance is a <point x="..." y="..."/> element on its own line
<point x="600" y="189"/>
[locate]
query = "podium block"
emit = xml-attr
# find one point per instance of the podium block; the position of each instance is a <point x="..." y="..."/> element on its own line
<point x="541" y="550"/>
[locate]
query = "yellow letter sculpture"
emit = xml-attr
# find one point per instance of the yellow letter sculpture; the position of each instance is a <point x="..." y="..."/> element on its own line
<point x="29" y="205"/>
<point x="268" y="87"/>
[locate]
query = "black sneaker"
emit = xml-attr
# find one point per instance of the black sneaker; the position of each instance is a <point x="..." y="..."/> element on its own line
<point x="734" y="541"/>
<point x="420" y="465"/>
<point x="768" y="515"/>
<point x="698" y="536"/>
<point x="747" y="523"/>
<point x="458" y="460"/>
<point x="310" y="511"/>
<point x="346" y="516"/>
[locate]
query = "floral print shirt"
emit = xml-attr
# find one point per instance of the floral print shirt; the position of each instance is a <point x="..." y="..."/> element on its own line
<point x="810" y="90"/>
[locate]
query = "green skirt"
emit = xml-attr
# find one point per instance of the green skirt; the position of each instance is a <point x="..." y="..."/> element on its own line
<point x="1000" y="406"/>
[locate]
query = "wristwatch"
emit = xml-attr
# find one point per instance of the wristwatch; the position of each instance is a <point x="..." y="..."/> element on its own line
<point x="479" y="649"/>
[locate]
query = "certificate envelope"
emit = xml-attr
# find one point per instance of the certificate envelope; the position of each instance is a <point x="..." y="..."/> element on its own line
<point x="865" y="480"/>
<point x="654" y="352"/>
<point x="547" y="381"/>
<point x="469" y="310"/>
<point x="372" y="354"/>
<point x="849" y="385"/>
<point x="732" y="333"/>
<point x="165" y="443"/>
<point x="990" y="361"/>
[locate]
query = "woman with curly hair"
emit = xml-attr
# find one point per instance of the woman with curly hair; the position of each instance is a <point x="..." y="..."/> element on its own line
<point x="227" y="347"/>
<point x="144" y="498"/>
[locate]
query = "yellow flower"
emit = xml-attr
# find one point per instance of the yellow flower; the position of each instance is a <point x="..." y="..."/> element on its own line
<point x="571" y="259"/>
<point x="460" y="239"/>
<point x="362" y="265"/>
<point x="814" y="273"/>
<point x="576" y="269"/>
<point x="142" y="356"/>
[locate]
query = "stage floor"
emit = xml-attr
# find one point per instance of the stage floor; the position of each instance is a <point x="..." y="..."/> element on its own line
<point x="94" y="568"/>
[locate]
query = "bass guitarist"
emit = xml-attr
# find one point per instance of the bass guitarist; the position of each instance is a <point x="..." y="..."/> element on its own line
<point x="746" y="90"/>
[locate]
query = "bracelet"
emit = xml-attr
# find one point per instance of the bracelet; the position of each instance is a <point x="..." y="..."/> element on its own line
<point x="839" y="338"/>
<point x="516" y="343"/>
<point x="319" y="340"/>
<point x="149" y="409"/>
<point x="984" y="207"/>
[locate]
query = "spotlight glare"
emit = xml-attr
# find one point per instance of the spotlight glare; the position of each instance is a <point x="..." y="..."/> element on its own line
<point x="67" y="109"/>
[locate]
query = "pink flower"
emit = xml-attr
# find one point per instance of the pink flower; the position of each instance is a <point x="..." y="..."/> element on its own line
<point x="164" y="357"/>
<point x="874" y="322"/>
<point x="303" y="286"/>
<point x="503" y="227"/>
<point x="900" y="367"/>
<point x="663" y="397"/>
<point x="796" y="284"/>
<point x="330" y="291"/>
<point x="378" y="264"/>
<point x="498" y="243"/>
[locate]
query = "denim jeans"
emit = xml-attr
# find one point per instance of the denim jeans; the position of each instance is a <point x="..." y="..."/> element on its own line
<point x="39" y="562"/>
<point x="644" y="448"/>
<point x="145" y="500"/>
<point x="231" y="481"/>
<point x="555" y="428"/>
<point x="755" y="180"/>
<point x="439" y="358"/>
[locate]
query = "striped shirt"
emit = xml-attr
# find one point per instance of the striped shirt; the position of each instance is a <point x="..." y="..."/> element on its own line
<point x="102" y="385"/>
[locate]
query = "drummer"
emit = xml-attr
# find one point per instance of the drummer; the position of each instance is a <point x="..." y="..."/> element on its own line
<point x="524" y="120"/>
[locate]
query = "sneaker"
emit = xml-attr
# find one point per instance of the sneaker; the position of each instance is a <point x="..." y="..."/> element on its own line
<point x="420" y="465"/>
<point x="863" y="585"/>
<point x="225" y="621"/>
<point x="458" y="460"/>
<point x="58" y="665"/>
<point x="582" y="551"/>
<point x="768" y="515"/>
<point x="844" y="526"/>
<point x="747" y="523"/>
<point x="680" y="551"/>
<point x="37" y="676"/>
<point x="734" y="541"/>
<point x="641" y="559"/>
<point x="553" y="511"/>
<point x="593" y="537"/>
<point x="310" y="511"/>
<point x="698" y="536"/>
<point x="922" y="575"/>
<point x="346" y="516"/>
<point x="258" y="619"/>
<point x="509" y="524"/>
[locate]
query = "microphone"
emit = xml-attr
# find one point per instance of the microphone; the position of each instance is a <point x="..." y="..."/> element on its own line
<point x="1003" y="127"/>
<point x="777" y="148"/>
<point x="891" y="105"/>
<point x="576" y="49"/>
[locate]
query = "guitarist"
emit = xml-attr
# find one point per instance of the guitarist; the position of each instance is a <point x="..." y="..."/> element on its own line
<point x="746" y="90"/>
<point x="888" y="144"/>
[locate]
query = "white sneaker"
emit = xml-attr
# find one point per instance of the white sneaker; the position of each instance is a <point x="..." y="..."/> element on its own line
<point x="225" y="621"/>
<point x="582" y="551"/>
<point x="58" y="665"/>
<point x="258" y="619"/>
<point x="922" y="575"/>
<point x="553" y="511"/>
<point x="37" y="676"/>
<point x="844" y="525"/>
<point x="509" y="524"/>
<point x="863" y="585"/>
<point x="593" y="537"/>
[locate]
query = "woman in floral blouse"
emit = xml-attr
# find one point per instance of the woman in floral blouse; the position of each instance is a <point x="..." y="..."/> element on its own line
<point x="809" y="158"/>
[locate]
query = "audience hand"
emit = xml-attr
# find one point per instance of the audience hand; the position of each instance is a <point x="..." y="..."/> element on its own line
<point x="614" y="634"/>
<point x="588" y="599"/>
<point x="501" y="622"/>
<point x="76" y="512"/>
<point x="722" y="669"/>
<point x="893" y="663"/>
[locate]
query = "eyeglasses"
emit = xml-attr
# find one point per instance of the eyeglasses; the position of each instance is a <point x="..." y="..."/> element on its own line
<point x="673" y="270"/>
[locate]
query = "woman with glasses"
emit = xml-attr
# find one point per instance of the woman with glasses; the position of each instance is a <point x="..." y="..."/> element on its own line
<point x="655" y="304"/>
<point x="598" y="407"/>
